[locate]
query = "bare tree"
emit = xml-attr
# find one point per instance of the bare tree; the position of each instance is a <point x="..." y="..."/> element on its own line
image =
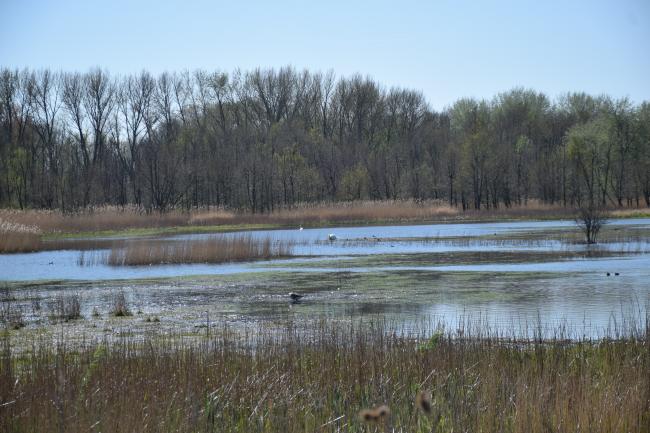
<point x="591" y="218"/>
<point x="269" y="138"/>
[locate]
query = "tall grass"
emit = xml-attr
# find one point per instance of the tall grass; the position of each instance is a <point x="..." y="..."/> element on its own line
<point x="215" y="249"/>
<point x="18" y="238"/>
<point x="114" y="218"/>
<point x="23" y="229"/>
<point x="323" y="379"/>
<point x="93" y="220"/>
<point x="315" y="214"/>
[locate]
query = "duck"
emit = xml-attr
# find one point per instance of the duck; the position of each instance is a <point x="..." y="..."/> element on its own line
<point x="295" y="297"/>
<point x="331" y="237"/>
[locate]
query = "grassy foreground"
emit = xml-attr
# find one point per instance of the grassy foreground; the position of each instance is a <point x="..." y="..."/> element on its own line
<point x="322" y="378"/>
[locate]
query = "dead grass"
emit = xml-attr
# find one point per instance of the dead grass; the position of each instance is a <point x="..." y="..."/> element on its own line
<point x="316" y="214"/>
<point x="322" y="378"/>
<point x="98" y="219"/>
<point x="120" y="306"/>
<point x="65" y="308"/>
<point x="216" y="249"/>
<point x="11" y="312"/>
<point x="18" y="238"/>
<point x="21" y="230"/>
<point x="630" y="213"/>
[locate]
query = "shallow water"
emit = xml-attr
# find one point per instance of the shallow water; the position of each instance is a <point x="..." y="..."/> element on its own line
<point x="63" y="264"/>
<point x="511" y="276"/>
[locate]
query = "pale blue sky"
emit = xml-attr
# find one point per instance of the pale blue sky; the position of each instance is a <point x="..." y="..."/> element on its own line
<point x="446" y="49"/>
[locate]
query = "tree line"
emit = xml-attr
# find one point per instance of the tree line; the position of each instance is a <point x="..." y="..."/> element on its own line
<point x="267" y="138"/>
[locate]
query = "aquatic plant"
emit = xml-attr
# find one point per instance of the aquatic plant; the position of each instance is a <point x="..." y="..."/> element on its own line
<point x="215" y="249"/>
<point x="65" y="308"/>
<point x="120" y="307"/>
<point x="11" y="312"/>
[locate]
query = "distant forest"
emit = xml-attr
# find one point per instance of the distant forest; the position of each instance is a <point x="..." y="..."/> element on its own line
<point x="266" y="139"/>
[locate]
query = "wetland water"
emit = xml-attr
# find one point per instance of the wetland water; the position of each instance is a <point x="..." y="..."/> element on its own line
<point x="509" y="276"/>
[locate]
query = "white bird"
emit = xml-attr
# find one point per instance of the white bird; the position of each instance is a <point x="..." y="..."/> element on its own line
<point x="331" y="237"/>
<point x="300" y="228"/>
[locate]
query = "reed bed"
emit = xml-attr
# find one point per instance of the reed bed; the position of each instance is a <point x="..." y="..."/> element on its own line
<point x="94" y="220"/>
<point x="215" y="249"/>
<point x="18" y="238"/>
<point x="110" y="218"/>
<point x="316" y="214"/>
<point x="33" y="224"/>
<point x="328" y="378"/>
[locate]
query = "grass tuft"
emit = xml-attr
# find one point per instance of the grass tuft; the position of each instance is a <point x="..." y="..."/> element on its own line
<point x="120" y="306"/>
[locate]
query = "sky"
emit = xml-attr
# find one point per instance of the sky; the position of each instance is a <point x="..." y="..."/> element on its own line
<point x="446" y="49"/>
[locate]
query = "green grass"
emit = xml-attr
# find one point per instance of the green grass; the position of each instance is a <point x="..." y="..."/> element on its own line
<point x="319" y="376"/>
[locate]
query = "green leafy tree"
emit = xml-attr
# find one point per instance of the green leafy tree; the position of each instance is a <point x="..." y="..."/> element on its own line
<point x="590" y="148"/>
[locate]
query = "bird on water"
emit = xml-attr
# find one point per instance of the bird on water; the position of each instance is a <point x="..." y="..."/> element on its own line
<point x="295" y="297"/>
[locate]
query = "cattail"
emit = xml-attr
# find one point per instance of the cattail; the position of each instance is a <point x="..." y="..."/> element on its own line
<point x="423" y="402"/>
<point x="383" y="411"/>
<point x="367" y="415"/>
<point x="380" y="413"/>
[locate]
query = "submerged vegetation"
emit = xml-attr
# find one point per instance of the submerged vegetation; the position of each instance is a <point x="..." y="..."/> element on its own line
<point x="329" y="377"/>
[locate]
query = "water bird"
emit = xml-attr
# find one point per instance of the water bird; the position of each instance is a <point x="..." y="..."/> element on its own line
<point x="50" y="263"/>
<point x="608" y="274"/>
<point x="616" y="273"/>
<point x="331" y="237"/>
<point x="300" y="229"/>
<point x="295" y="297"/>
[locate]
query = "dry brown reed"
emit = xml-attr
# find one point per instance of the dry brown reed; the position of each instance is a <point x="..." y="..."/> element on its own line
<point x="25" y="227"/>
<point x="18" y="238"/>
<point x="342" y="212"/>
<point x="111" y="218"/>
<point x="94" y="220"/>
<point x="120" y="306"/>
<point x="65" y="308"/>
<point x="216" y="249"/>
<point x="318" y="377"/>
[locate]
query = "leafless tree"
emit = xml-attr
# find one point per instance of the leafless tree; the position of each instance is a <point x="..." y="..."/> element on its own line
<point x="591" y="219"/>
